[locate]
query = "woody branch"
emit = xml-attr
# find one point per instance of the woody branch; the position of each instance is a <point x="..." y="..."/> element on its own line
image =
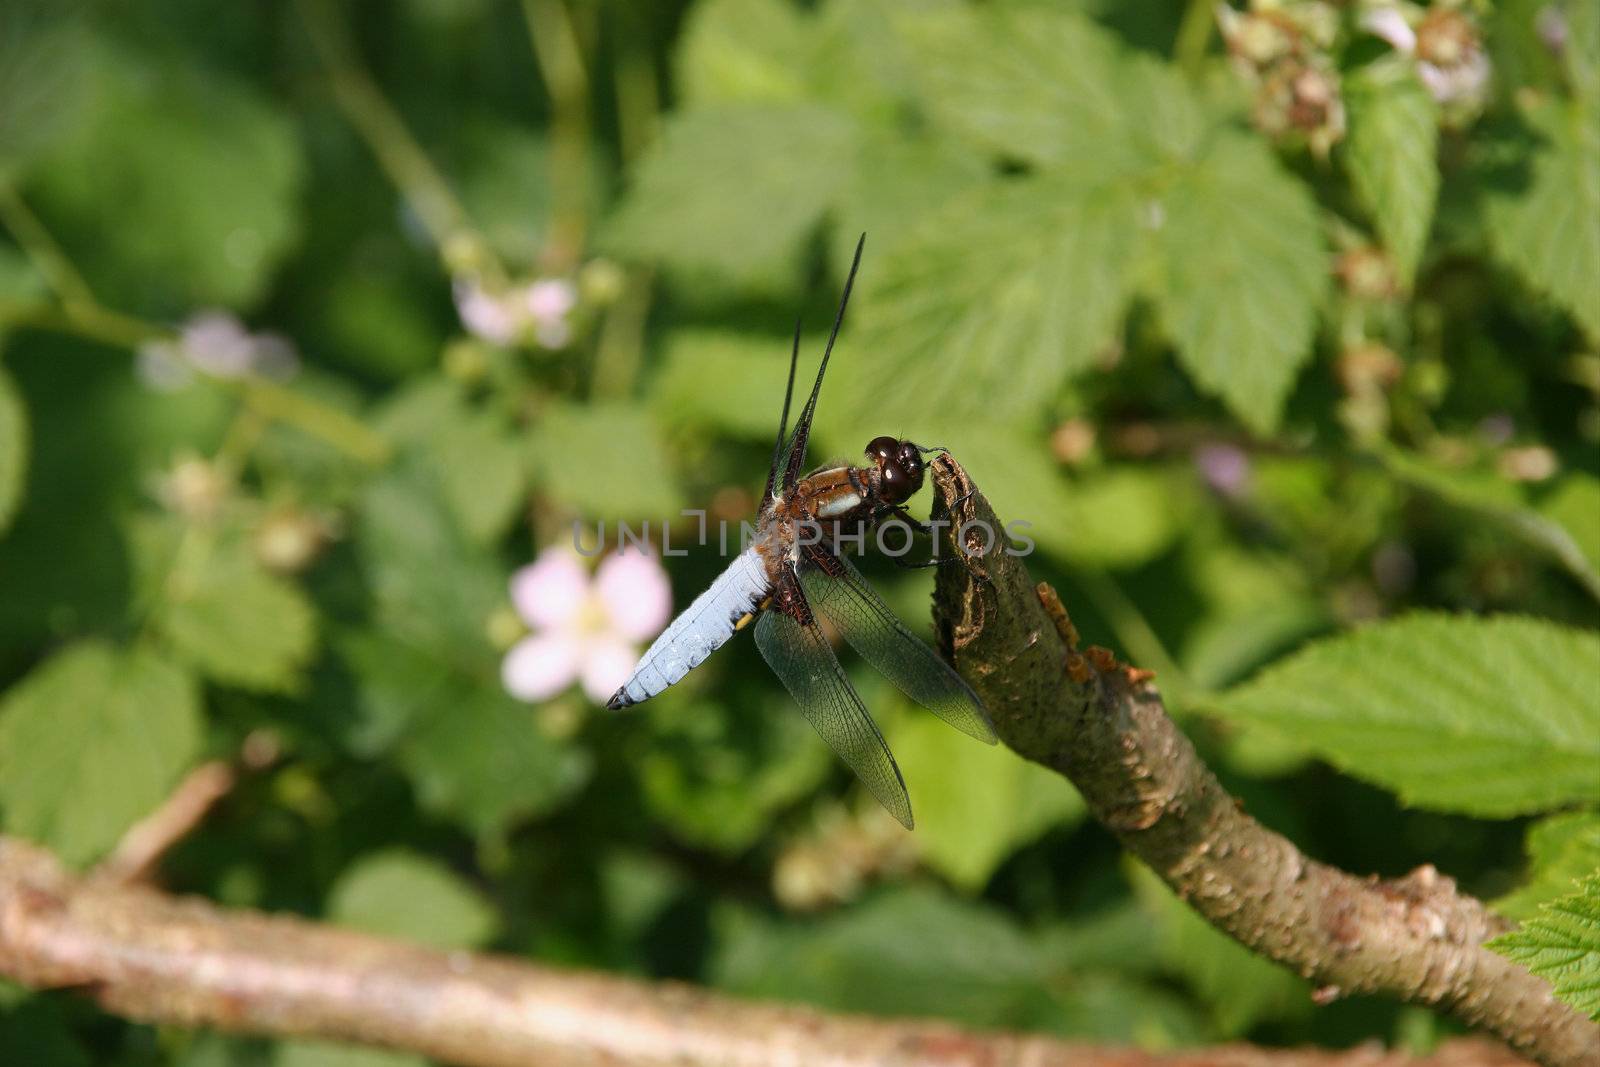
<point x="1103" y="726"/>
<point x="146" y="955"/>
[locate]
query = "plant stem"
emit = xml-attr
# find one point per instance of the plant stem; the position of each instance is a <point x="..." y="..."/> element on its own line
<point x="1194" y="34"/>
<point x="559" y="51"/>
<point x="41" y="248"/>
<point x="397" y="151"/>
<point x="345" y="432"/>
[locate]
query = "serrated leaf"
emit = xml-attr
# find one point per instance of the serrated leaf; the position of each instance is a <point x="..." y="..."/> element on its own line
<point x="221" y="611"/>
<point x="604" y="461"/>
<point x="994" y="302"/>
<point x="735" y="190"/>
<point x="432" y="587"/>
<point x="404" y="894"/>
<point x="977" y="803"/>
<point x="749" y="371"/>
<point x="1547" y="227"/>
<point x="179" y="189"/>
<point x="472" y="753"/>
<point x="1036" y="85"/>
<point x="897" y="184"/>
<point x="1487" y="716"/>
<point x="483" y="759"/>
<point x="745" y="51"/>
<point x="1561" y="850"/>
<point x="92" y="741"/>
<point x="1562" y="945"/>
<point x="473" y="454"/>
<point x="13" y="449"/>
<point x="1244" y="270"/>
<point x="1390" y="154"/>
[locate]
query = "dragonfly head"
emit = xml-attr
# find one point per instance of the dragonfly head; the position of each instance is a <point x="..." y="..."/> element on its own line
<point x="899" y="466"/>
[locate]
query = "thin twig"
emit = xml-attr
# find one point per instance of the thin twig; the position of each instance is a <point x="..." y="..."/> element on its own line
<point x="144" y="955"/>
<point x="140" y="851"/>
<point x="1103" y="726"/>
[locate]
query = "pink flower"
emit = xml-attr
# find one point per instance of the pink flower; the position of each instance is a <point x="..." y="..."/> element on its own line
<point x="585" y="629"/>
<point x="541" y="308"/>
<point x="1223" y="467"/>
<point x="215" y="343"/>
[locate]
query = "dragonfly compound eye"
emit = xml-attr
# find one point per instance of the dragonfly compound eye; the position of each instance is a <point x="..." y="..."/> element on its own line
<point x="882" y="448"/>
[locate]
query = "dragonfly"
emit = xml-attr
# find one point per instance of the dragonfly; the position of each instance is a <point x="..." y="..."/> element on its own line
<point x="794" y="573"/>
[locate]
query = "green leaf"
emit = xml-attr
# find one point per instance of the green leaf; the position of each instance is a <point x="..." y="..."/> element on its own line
<point x="1040" y="85"/>
<point x="1487" y="716"/>
<point x="1390" y="155"/>
<point x="716" y="774"/>
<point x="42" y="77"/>
<point x="473" y="453"/>
<point x="13" y="449"/>
<point x="432" y="587"/>
<point x="745" y="51"/>
<point x="735" y="190"/>
<point x="428" y="684"/>
<point x="1548" y="227"/>
<point x="1244" y="270"/>
<point x="1562" y="944"/>
<point x="910" y="951"/>
<point x="975" y="804"/>
<point x="994" y="301"/>
<point x="484" y="759"/>
<point x="605" y="461"/>
<point x="221" y="611"/>
<point x="915" y="951"/>
<point x="749" y="371"/>
<point x="403" y="894"/>
<point x="1574" y="505"/>
<point x="1489" y="496"/>
<point x="180" y="187"/>
<point x="92" y="741"/>
<point x="1242" y="988"/>
<point x="1561" y="850"/>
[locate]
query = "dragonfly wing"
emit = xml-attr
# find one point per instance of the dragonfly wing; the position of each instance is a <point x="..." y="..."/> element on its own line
<point x="883" y="640"/>
<point x="803" y="660"/>
<point x="701" y="629"/>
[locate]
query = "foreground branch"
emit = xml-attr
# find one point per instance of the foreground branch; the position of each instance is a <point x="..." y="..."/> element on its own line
<point x="1103" y="726"/>
<point x="148" y="956"/>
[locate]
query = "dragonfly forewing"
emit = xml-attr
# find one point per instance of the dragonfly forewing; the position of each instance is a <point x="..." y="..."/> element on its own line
<point x="880" y="638"/>
<point x="804" y="661"/>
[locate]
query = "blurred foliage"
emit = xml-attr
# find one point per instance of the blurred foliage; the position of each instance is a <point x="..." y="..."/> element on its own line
<point x="1275" y="327"/>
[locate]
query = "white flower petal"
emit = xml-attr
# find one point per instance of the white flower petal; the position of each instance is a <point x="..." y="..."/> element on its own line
<point x="1389" y="24"/>
<point x="217" y="343"/>
<point x="550" y="591"/>
<point x="486" y="316"/>
<point x="634" y="592"/>
<point x="607" y="663"/>
<point x="550" y="300"/>
<point x="540" y="666"/>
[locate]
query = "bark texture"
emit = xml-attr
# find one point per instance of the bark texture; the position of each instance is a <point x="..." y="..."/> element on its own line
<point x="1102" y="725"/>
<point x="145" y="955"/>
